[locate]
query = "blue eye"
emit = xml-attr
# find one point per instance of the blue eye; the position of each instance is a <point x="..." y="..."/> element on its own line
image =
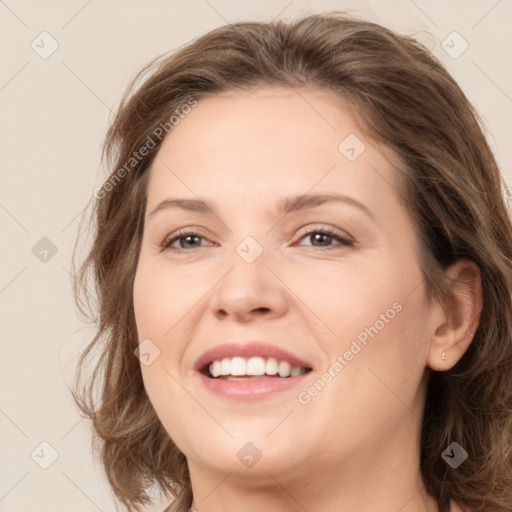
<point x="325" y="235"/>
<point x="191" y="239"/>
<point x="186" y="236"/>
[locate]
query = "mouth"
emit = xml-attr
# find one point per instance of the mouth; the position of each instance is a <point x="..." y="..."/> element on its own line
<point x="250" y="370"/>
<point x="240" y="368"/>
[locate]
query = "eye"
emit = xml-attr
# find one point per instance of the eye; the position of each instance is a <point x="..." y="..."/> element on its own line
<point x="186" y="240"/>
<point x="325" y="236"/>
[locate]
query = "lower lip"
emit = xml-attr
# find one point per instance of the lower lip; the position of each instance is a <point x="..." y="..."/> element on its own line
<point x="252" y="389"/>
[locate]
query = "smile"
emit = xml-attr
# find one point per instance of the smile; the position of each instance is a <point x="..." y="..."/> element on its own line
<point x="234" y="368"/>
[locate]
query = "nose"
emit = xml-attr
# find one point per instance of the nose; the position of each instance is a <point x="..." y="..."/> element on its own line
<point x="249" y="291"/>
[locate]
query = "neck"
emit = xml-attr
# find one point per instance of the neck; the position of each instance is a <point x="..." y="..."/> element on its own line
<point x="377" y="476"/>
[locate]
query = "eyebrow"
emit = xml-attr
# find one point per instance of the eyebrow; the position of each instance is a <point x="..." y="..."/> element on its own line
<point x="285" y="205"/>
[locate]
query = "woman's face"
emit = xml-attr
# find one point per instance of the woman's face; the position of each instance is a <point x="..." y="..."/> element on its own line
<point x="259" y="287"/>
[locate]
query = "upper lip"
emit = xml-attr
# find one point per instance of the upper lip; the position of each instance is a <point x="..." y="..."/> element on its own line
<point x="248" y="349"/>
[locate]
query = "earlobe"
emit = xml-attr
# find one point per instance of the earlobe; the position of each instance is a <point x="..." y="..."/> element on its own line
<point x="453" y="329"/>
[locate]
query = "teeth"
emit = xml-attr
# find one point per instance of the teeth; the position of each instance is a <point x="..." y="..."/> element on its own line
<point x="295" y="371"/>
<point x="272" y="366"/>
<point x="215" y="368"/>
<point x="239" y="366"/>
<point x="225" y="366"/>
<point x="256" y="366"/>
<point x="284" y="369"/>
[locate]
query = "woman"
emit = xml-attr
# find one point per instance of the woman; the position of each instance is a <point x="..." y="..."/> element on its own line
<point x="303" y="266"/>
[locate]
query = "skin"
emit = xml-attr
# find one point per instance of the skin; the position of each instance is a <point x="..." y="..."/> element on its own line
<point x="354" y="446"/>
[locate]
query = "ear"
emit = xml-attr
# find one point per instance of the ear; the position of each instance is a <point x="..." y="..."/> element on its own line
<point x="455" y="327"/>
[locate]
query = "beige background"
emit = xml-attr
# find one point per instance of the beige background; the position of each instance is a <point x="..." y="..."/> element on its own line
<point x="54" y="114"/>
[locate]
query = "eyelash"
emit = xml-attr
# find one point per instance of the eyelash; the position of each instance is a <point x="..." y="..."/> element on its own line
<point x="344" y="241"/>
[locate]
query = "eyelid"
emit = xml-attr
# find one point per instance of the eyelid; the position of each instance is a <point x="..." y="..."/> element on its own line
<point x="336" y="232"/>
<point x="181" y="233"/>
<point x="343" y="238"/>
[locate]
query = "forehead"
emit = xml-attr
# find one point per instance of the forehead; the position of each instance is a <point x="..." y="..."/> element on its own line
<point x="252" y="117"/>
<point x="263" y="142"/>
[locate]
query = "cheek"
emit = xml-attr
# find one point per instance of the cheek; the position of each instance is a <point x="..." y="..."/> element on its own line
<point x="162" y="299"/>
<point x="379" y="379"/>
<point x="379" y="317"/>
<point x="171" y="402"/>
<point x="156" y="311"/>
<point x="390" y="357"/>
<point x="350" y="299"/>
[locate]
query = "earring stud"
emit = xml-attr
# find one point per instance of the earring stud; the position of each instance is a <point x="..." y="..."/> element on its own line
<point x="443" y="356"/>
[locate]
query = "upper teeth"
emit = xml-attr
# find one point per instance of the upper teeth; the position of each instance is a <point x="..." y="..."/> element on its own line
<point x="254" y="366"/>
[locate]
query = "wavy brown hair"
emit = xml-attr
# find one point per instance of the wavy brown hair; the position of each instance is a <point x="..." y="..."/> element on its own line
<point x="447" y="178"/>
